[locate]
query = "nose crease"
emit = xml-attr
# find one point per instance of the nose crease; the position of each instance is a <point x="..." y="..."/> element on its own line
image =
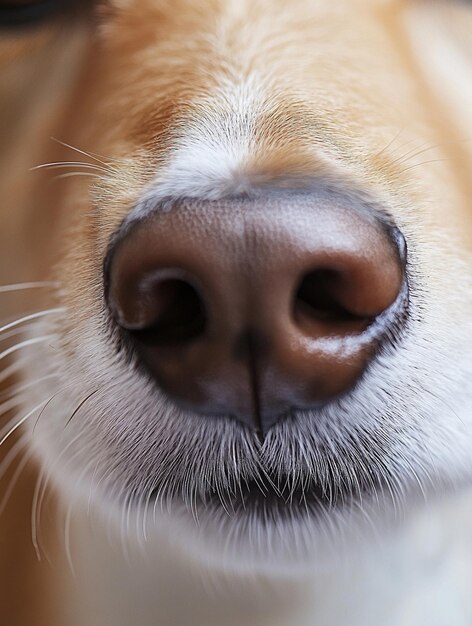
<point x="254" y="383"/>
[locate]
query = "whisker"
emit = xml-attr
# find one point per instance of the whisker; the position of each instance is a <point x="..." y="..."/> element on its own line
<point x="49" y="401"/>
<point x="406" y="169"/>
<point x="10" y="371"/>
<point x="11" y="455"/>
<point x="80" y="406"/>
<point x="90" y="155"/>
<point x="55" y="165"/>
<point x="14" y="333"/>
<point x="39" y="488"/>
<point x="67" y="537"/>
<point x="24" y="344"/>
<point x="22" y="421"/>
<point x="413" y="153"/>
<point x="14" y="479"/>
<point x="39" y="496"/>
<point x="19" y="389"/>
<point x="71" y="174"/>
<point x="8" y="405"/>
<point x="32" y="316"/>
<point x="32" y="285"/>
<point x="15" y="369"/>
<point x="390" y="143"/>
<point x="19" y="331"/>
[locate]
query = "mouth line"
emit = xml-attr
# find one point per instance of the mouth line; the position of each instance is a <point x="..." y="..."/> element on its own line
<point x="269" y="501"/>
<point x="273" y="500"/>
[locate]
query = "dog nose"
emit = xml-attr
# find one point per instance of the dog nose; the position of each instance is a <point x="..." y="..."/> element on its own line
<point x="252" y="309"/>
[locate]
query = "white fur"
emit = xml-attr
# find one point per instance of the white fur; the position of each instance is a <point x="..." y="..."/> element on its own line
<point x="413" y="408"/>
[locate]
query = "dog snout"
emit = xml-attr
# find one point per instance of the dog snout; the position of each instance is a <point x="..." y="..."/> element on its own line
<point x="252" y="309"/>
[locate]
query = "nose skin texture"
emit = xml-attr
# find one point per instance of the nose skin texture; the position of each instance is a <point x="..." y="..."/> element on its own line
<point x="253" y="308"/>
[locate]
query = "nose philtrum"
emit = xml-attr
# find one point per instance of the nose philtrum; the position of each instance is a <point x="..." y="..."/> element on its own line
<point x="253" y="309"/>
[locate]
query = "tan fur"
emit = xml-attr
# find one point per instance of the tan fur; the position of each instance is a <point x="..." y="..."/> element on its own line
<point x="343" y="77"/>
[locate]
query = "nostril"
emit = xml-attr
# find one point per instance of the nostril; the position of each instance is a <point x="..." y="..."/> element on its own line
<point x="180" y="312"/>
<point x="317" y="301"/>
<point x="172" y="309"/>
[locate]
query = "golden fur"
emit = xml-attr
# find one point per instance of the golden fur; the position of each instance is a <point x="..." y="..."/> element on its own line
<point x="325" y="84"/>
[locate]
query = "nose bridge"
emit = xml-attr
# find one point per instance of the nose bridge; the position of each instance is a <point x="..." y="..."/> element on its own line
<point x="243" y="308"/>
<point x="267" y="284"/>
<point x="229" y="252"/>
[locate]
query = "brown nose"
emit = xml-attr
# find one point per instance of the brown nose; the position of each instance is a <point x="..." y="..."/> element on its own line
<point x="251" y="309"/>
